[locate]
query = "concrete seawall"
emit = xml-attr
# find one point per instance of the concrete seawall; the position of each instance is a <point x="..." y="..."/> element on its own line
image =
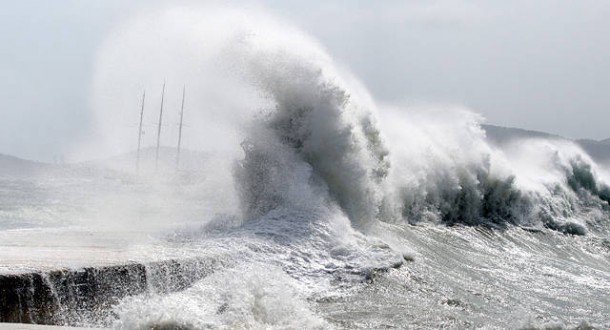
<point x="84" y="297"/>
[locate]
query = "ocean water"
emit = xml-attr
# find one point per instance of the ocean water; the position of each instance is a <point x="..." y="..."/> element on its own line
<point x="329" y="209"/>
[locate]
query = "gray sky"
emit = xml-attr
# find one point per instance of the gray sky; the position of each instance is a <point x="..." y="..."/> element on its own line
<point x="542" y="65"/>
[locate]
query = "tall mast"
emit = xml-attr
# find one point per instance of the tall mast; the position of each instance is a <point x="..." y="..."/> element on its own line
<point x="180" y="129"/>
<point x="140" y="132"/>
<point x="159" y="128"/>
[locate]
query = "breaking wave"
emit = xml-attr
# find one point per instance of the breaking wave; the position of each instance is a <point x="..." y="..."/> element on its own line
<point x="321" y="141"/>
<point x="454" y="175"/>
<point x="315" y="166"/>
<point x="303" y="132"/>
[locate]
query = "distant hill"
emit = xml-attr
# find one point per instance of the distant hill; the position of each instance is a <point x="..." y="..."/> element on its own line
<point x="598" y="150"/>
<point x="501" y="135"/>
<point x="190" y="161"/>
<point x="601" y="142"/>
<point x="11" y="166"/>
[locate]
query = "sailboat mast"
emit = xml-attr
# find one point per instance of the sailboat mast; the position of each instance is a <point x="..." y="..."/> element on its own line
<point x="140" y="132"/>
<point x="159" y="128"/>
<point x="180" y="129"/>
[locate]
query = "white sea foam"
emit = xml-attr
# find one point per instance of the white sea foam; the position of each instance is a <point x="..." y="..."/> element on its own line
<point x="303" y="131"/>
<point x="307" y="168"/>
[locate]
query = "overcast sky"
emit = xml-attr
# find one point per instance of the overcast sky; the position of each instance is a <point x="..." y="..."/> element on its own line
<point x="542" y="65"/>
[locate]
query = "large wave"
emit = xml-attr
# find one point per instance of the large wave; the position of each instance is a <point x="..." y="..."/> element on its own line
<point x="303" y="132"/>
<point x="447" y="171"/>
<point x="308" y="166"/>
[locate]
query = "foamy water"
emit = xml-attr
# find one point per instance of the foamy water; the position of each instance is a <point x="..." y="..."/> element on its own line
<point x="334" y="211"/>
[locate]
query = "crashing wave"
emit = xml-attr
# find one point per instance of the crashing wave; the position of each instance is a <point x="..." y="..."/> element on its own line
<point x="310" y="134"/>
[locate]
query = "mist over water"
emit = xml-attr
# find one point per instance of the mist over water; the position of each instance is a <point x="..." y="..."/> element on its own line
<point x="311" y="188"/>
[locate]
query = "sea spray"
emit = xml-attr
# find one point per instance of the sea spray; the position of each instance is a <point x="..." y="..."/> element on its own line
<point x="446" y="171"/>
<point x="302" y="131"/>
<point x="299" y="215"/>
<point x="311" y="171"/>
<point x="253" y="296"/>
<point x="315" y="119"/>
